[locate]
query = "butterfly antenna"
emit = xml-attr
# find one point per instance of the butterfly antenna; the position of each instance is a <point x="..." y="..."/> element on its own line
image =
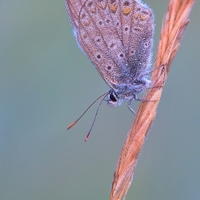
<point x="87" y="136"/>
<point x="73" y="123"/>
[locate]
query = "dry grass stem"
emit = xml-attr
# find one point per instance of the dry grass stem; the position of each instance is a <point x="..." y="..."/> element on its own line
<point x="174" y="25"/>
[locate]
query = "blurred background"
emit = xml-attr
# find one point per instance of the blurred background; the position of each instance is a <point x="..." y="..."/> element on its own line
<point x="46" y="82"/>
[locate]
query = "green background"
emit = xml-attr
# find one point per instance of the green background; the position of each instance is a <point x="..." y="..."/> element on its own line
<point x="46" y="82"/>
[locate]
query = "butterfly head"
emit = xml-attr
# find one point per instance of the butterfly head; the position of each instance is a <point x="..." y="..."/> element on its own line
<point x="113" y="99"/>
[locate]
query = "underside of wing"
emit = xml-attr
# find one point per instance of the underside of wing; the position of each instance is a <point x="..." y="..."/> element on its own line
<point x="114" y="35"/>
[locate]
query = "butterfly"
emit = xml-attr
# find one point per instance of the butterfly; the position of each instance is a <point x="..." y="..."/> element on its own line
<point x="117" y="36"/>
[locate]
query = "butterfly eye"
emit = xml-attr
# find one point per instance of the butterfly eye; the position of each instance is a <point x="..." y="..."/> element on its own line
<point x="113" y="97"/>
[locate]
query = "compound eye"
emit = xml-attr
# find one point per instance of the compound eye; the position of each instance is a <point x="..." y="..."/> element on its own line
<point x="113" y="97"/>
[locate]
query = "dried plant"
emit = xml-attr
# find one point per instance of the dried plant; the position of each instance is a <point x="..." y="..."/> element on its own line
<point x="176" y="21"/>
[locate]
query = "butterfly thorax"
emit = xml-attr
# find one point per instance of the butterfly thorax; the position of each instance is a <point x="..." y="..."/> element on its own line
<point x="128" y="92"/>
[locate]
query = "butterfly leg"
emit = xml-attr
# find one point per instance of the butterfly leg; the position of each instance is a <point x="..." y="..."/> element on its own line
<point x="163" y="70"/>
<point x="129" y="107"/>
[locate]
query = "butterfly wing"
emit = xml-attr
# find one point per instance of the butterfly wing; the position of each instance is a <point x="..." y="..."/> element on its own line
<point x="113" y="34"/>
